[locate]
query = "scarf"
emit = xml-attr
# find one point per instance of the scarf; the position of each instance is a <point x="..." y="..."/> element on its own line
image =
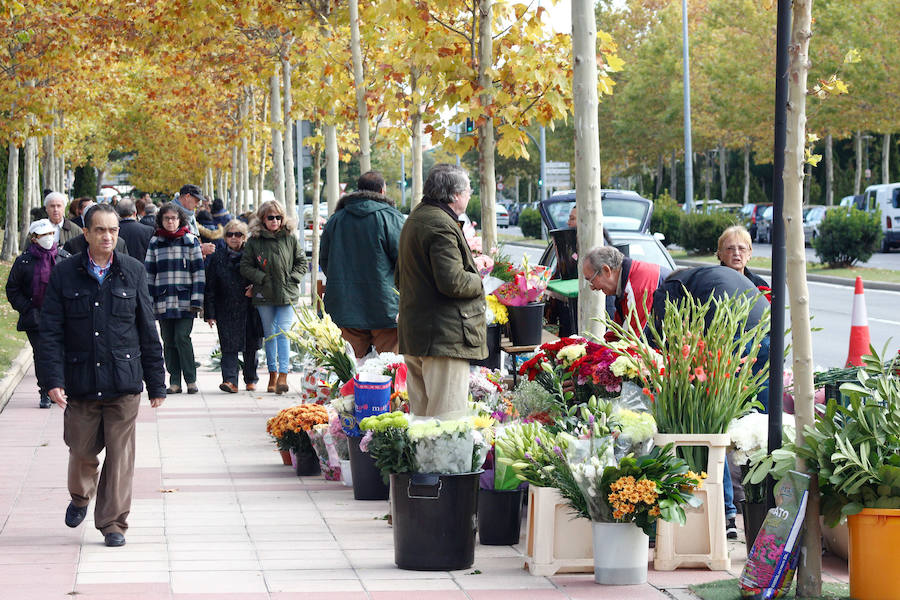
<point x="444" y="207"/>
<point x="43" y="264"/>
<point x="172" y="235"/>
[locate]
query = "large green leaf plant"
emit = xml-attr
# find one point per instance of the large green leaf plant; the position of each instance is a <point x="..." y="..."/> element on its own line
<point x="855" y="448"/>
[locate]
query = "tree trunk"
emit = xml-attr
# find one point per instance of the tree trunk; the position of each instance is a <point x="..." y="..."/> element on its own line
<point x="809" y="575"/>
<point x="332" y="173"/>
<point x="316" y="200"/>
<point x="416" y="159"/>
<point x="659" y="174"/>
<point x="11" y="230"/>
<point x="277" y="141"/>
<point x="746" y="197"/>
<point x="245" y="176"/>
<point x="857" y="145"/>
<point x="886" y="159"/>
<point x="260" y="174"/>
<point x="673" y="179"/>
<point x="290" y="182"/>
<point x="233" y="202"/>
<point x="220" y="184"/>
<point x="587" y="158"/>
<point x="829" y="171"/>
<point x="723" y="182"/>
<point x="807" y="182"/>
<point x="48" y="170"/>
<point x="29" y="182"/>
<point x="707" y="178"/>
<point x="359" y="84"/>
<point x="488" y="188"/>
<point x="61" y="174"/>
<point x="101" y="173"/>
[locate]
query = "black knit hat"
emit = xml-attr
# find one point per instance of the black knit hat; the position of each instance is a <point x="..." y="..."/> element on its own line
<point x="193" y="190"/>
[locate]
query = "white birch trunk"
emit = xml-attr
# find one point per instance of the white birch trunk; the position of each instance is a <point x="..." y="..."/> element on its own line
<point x="245" y="176"/>
<point x="29" y="183"/>
<point x="809" y="575"/>
<point x="723" y="183"/>
<point x="359" y="84"/>
<point x="886" y="159"/>
<point x="290" y="182"/>
<point x="48" y="160"/>
<point x="417" y="182"/>
<point x="746" y="195"/>
<point x="673" y="179"/>
<point x="260" y="173"/>
<point x="486" y="145"/>
<point x="277" y="141"/>
<point x="587" y="158"/>
<point x="857" y="145"/>
<point x="332" y="171"/>
<point x="829" y="171"/>
<point x="316" y="200"/>
<point x="233" y="203"/>
<point x="659" y="175"/>
<point x="11" y="230"/>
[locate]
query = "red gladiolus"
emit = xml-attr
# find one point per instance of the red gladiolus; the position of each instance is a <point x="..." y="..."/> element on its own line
<point x="700" y="373"/>
<point x="685" y="350"/>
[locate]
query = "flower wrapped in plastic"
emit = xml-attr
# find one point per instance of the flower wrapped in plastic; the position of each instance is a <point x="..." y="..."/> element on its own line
<point x="447" y="447"/>
<point x="527" y="286"/>
<point x="750" y="434"/>
<point x="636" y="431"/>
<point x="323" y="444"/>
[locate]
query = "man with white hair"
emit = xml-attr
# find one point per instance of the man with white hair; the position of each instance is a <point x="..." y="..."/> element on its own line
<point x="55" y="205"/>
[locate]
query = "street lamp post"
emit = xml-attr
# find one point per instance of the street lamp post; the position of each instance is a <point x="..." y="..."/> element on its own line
<point x="688" y="151"/>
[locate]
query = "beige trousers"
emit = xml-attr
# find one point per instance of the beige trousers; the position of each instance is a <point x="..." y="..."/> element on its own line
<point x="89" y="426"/>
<point x="437" y="386"/>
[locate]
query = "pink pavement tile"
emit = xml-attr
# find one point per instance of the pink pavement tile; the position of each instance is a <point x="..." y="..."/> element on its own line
<point x="122" y="590"/>
<point x="37" y="575"/>
<point x="682" y="578"/>
<point x="221" y="596"/>
<point x="314" y="596"/>
<point x="583" y="587"/>
<point x="269" y="487"/>
<point x="420" y="594"/>
<point x="519" y="594"/>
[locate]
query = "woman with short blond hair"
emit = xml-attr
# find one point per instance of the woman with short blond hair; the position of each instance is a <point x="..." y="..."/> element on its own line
<point x="274" y="263"/>
<point x="735" y="250"/>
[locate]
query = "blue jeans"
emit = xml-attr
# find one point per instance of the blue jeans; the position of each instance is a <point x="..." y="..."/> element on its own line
<point x="730" y="510"/>
<point x="275" y="320"/>
<point x="762" y="360"/>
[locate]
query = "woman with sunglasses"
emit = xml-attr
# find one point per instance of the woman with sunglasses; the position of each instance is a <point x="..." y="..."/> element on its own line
<point x="274" y="263"/>
<point x="176" y="280"/>
<point x="227" y="305"/>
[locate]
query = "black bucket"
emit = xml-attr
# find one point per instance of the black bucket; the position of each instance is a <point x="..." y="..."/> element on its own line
<point x="434" y="520"/>
<point x="367" y="481"/>
<point x="306" y="462"/>
<point x="499" y="517"/>
<point x="493" y="345"/>
<point x="754" y="515"/>
<point x="526" y="323"/>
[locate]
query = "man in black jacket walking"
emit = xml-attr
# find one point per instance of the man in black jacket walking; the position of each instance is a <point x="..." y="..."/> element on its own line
<point x="136" y="235"/>
<point x="98" y="345"/>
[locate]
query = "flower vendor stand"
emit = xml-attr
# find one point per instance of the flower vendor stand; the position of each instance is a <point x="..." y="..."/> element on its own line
<point x="874" y="538"/>
<point x="621" y="552"/>
<point x="701" y="542"/>
<point x="556" y="542"/>
<point x="499" y="516"/>
<point x="434" y="520"/>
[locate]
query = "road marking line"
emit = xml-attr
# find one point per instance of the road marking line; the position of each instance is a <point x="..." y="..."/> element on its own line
<point x="885" y="321"/>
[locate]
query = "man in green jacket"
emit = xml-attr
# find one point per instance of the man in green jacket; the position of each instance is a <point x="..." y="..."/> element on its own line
<point x="442" y="324"/>
<point x="358" y="254"/>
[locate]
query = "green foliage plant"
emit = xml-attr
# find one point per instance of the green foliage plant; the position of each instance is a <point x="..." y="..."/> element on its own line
<point x="666" y="218"/>
<point x="390" y="446"/>
<point x="530" y="222"/>
<point x="855" y="448"/>
<point x="706" y="378"/>
<point x="848" y="237"/>
<point x="700" y="232"/>
<point x="473" y="209"/>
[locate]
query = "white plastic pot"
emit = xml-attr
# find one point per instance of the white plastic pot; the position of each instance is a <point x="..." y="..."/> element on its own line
<point x="621" y="552"/>
<point x="346" y="473"/>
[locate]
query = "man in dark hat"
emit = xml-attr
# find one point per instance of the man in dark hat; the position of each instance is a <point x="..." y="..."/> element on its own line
<point x="189" y="197"/>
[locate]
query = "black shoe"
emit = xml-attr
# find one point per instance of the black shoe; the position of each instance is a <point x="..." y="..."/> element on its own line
<point x="731" y="529"/>
<point x="173" y="389"/>
<point x="114" y="539"/>
<point x="45" y="401"/>
<point x="75" y="514"/>
<point x="192" y="388"/>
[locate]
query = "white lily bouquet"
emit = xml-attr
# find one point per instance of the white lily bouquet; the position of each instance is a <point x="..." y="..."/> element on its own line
<point x="448" y="447"/>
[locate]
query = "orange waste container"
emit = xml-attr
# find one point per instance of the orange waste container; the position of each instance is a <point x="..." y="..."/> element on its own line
<point x="874" y="539"/>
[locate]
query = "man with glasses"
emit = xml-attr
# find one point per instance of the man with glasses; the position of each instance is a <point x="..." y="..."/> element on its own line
<point x="189" y="197"/>
<point x="630" y="282"/>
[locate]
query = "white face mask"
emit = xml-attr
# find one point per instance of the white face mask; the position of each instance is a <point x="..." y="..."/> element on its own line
<point x="45" y="242"/>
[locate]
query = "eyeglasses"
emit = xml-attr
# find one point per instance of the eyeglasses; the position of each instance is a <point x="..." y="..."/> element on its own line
<point x="237" y="234"/>
<point x="592" y="277"/>
<point x="737" y="249"/>
<point x="170" y="217"/>
<point x="274" y="217"/>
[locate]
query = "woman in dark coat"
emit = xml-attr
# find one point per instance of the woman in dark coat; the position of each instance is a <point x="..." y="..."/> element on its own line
<point x="228" y="306"/>
<point x="27" y="283"/>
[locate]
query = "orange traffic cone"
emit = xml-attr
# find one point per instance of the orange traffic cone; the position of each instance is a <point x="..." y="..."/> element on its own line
<point x="859" y="327"/>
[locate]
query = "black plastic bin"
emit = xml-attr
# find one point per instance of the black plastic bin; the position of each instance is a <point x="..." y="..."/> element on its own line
<point x="493" y="345"/>
<point x="367" y="481"/>
<point x="499" y="517"/>
<point x="526" y="323"/>
<point x="434" y="520"/>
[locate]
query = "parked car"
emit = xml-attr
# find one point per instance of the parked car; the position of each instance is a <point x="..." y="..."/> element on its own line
<point x="812" y="218"/>
<point x="502" y="215"/>
<point x="886" y="199"/>
<point x="764" y="226"/>
<point x="704" y="206"/>
<point x="730" y="208"/>
<point x="749" y="215"/>
<point x="308" y="225"/>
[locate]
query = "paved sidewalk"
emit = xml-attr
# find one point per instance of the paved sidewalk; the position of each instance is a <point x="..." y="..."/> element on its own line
<point x="216" y="516"/>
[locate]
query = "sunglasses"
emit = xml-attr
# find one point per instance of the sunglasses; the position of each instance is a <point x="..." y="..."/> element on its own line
<point x="236" y="234"/>
<point x="274" y="217"/>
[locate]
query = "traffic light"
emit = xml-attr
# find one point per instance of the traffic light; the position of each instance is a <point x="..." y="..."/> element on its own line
<point x="470" y="125"/>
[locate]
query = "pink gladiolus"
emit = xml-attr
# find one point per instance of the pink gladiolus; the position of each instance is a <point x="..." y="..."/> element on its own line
<point x="685" y="350"/>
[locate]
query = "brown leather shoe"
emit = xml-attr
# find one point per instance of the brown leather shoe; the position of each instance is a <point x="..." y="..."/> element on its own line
<point x="281" y="385"/>
<point x="227" y="386"/>
<point x="273" y="375"/>
<point x="250" y="387"/>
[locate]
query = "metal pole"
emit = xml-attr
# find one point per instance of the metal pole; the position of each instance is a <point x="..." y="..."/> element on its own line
<point x="688" y="150"/>
<point x="543" y="150"/>
<point x="776" y="348"/>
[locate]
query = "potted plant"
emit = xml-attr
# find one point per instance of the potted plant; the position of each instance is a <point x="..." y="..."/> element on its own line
<point x="855" y="451"/>
<point x="290" y="429"/>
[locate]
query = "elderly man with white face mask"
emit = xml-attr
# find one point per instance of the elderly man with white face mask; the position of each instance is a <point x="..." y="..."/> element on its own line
<point x="64" y="229"/>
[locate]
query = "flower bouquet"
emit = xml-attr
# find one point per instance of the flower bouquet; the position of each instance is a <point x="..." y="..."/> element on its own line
<point x="527" y="285"/>
<point x="331" y="445"/>
<point x="321" y="339"/>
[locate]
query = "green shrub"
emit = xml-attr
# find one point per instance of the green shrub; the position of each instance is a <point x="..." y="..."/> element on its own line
<point x="666" y="218"/>
<point x="845" y="238"/>
<point x="530" y="222"/>
<point x="700" y="232"/>
<point x="473" y="210"/>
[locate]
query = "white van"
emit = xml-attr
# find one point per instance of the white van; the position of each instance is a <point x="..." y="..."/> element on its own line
<point x="886" y="197"/>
